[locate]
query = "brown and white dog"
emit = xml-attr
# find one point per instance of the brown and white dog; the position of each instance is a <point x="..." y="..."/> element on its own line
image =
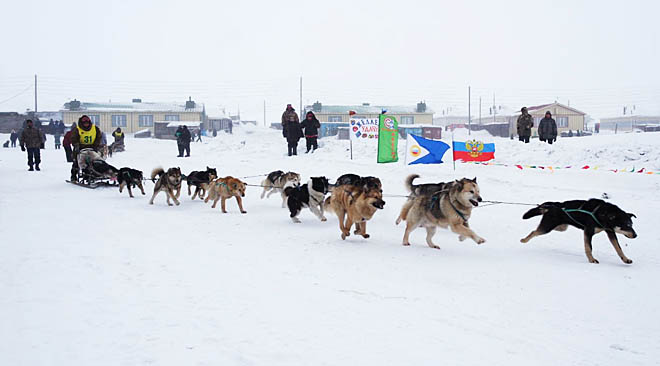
<point x="224" y="188"/>
<point x="354" y="205"/>
<point x="449" y="208"/>
<point x="168" y="182"/>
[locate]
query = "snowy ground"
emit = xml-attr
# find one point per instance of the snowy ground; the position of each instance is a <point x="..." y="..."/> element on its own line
<point x="92" y="277"/>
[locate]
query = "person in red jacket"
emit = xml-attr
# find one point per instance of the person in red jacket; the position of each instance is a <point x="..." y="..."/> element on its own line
<point x="66" y="142"/>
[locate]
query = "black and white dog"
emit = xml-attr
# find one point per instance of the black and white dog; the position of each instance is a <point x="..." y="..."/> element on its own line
<point x="309" y="195"/>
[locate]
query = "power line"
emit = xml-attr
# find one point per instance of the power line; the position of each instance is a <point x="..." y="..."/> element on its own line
<point x="16" y="95"/>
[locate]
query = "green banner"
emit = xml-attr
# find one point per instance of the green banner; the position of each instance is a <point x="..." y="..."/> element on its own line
<point x="388" y="139"/>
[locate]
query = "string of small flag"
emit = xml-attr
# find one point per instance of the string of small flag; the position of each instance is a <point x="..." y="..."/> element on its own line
<point x="553" y="168"/>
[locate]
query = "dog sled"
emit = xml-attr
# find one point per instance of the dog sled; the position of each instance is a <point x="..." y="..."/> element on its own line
<point x="93" y="171"/>
<point x="115" y="147"/>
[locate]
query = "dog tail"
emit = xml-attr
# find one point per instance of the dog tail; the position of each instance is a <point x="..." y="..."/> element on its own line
<point x="156" y="173"/>
<point x="538" y="210"/>
<point x="409" y="182"/>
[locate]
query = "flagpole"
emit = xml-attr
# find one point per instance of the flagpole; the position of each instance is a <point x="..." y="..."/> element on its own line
<point x="453" y="152"/>
<point x="351" y="145"/>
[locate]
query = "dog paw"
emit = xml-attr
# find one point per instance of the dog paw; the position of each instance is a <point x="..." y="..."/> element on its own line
<point x="324" y="219"/>
<point x="593" y="260"/>
<point x="627" y="261"/>
<point x="461" y="238"/>
<point x="243" y="212"/>
<point x="434" y="246"/>
<point x="366" y="236"/>
<point x="177" y="203"/>
<point x="481" y="240"/>
<point x="223" y="211"/>
<point x="343" y="236"/>
<point x="398" y="221"/>
<point x="406" y="244"/>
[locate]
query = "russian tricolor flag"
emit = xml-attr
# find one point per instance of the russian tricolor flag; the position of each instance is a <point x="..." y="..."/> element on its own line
<point x="473" y="150"/>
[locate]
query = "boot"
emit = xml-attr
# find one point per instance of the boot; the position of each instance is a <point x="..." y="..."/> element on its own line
<point x="295" y="150"/>
<point x="37" y="167"/>
<point x="31" y="168"/>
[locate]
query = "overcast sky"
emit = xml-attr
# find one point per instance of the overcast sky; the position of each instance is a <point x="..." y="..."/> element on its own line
<point x="598" y="55"/>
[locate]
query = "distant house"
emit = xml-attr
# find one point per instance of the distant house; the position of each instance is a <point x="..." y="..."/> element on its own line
<point x="132" y="117"/>
<point x="407" y="115"/>
<point x="567" y="118"/>
<point x="630" y="122"/>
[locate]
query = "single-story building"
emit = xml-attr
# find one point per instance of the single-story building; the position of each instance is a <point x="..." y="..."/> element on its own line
<point x="408" y="115"/>
<point x="630" y="122"/>
<point x="134" y="116"/>
<point x="567" y="118"/>
<point x="166" y="129"/>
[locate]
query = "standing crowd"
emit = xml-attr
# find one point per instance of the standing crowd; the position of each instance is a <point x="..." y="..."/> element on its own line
<point x="293" y="130"/>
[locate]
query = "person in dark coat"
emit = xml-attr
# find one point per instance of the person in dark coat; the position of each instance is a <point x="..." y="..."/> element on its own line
<point x="311" y="127"/>
<point x="524" y="125"/>
<point x="32" y="139"/>
<point x="548" y="129"/>
<point x="66" y="142"/>
<point x="293" y="132"/>
<point x="13" y="137"/>
<point x="183" y="138"/>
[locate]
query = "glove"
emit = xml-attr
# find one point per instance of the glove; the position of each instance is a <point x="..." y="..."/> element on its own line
<point x="22" y="148"/>
<point x="42" y="146"/>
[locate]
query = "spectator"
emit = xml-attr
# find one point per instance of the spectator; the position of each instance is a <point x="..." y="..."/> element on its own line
<point x="57" y="140"/>
<point x="13" y="137"/>
<point x="183" y="138"/>
<point x="32" y="139"/>
<point x="311" y="127"/>
<point x="66" y="142"/>
<point x="199" y="135"/>
<point x="548" y="129"/>
<point x="291" y="129"/>
<point x="524" y="125"/>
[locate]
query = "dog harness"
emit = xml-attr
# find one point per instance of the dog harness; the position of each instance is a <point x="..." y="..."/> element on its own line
<point x="568" y="211"/>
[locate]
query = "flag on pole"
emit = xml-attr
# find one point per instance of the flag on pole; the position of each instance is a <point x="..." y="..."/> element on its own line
<point x="473" y="150"/>
<point x="388" y="139"/>
<point x="424" y="151"/>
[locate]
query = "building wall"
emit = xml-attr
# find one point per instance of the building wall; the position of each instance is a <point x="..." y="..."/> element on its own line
<point x="132" y="118"/>
<point x="419" y="118"/>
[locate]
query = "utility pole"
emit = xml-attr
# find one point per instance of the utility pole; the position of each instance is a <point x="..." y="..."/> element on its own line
<point x="494" y="108"/>
<point x="265" y="123"/>
<point x="35" y="93"/>
<point x="301" y="106"/>
<point x="469" y="113"/>
<point x="480" y="121"/>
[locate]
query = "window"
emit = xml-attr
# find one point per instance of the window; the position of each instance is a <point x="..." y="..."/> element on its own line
<point x="146" y="120"/>
<point x="95" y="118"/>
<point x="407" y="120"/>
<point x="562" y="121"/>
<point x="171" y="117"/>
<point x="334" y="119"/>
<point x="118" y="120"/>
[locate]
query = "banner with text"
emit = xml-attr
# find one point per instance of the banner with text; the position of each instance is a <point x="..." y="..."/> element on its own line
<point x="365" y="129"/>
